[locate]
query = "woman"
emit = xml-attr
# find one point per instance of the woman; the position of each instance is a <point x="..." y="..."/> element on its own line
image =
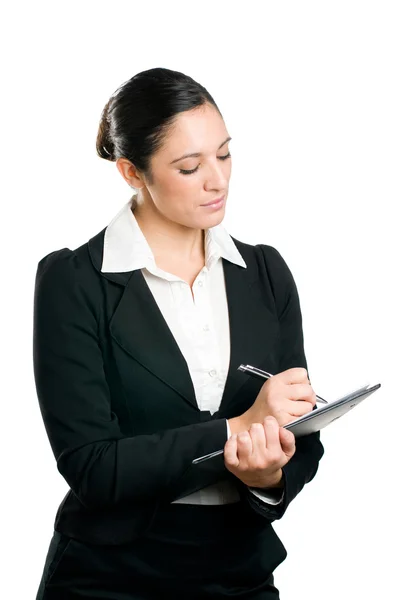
<point x="138" y="335"/>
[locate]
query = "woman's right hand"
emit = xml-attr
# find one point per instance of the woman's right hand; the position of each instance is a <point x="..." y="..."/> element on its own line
<point x="285" y="396"/>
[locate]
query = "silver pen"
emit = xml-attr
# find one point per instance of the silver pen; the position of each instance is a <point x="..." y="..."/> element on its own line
<point x="255" y="372"/>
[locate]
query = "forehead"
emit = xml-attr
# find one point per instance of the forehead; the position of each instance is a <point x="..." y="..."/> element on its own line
<point x="201" y="129"/>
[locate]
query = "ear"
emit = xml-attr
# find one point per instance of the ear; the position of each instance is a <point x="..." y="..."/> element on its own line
<point x="129" y="173"/>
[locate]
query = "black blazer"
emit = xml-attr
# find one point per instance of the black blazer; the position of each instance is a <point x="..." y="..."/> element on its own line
<point x="116" y="395"/>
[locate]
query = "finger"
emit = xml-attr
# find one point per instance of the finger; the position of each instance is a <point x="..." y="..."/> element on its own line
<point x="294" y="375"/>
<point x="245" y="449"/>
<point x="287" y="442"/>
<point x="298" y="408"/>
<point x="231" y="458"/>
<point x="271" y="431"/>
<point x="300" y="391"/>
<point x="257" y="435"/>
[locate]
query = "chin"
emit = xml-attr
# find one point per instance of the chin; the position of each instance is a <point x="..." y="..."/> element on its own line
<point x="207" y="220"/>
<point x="213" y="220"/>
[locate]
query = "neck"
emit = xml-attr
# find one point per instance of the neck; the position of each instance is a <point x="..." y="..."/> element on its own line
<point x="168" y="239"/>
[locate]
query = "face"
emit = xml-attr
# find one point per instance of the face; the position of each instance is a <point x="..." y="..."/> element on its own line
<point x="181" y="186"/>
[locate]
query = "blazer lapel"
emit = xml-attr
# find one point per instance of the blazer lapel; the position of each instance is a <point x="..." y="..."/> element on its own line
<point x="138" y="326"/>
<point x="254" y="329"/>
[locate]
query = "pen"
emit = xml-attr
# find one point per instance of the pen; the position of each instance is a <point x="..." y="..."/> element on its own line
<point x="255" y="372"/>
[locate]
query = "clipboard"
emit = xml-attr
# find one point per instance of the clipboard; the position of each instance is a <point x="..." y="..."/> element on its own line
<point x="327" y="413"/>
<point x="319" y="418"/>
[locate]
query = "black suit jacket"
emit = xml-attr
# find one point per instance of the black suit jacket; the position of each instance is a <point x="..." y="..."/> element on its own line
<point x="116" y="395"/>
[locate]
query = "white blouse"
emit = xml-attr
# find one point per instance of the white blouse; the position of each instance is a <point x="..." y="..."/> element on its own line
<point x="198" y="320"/>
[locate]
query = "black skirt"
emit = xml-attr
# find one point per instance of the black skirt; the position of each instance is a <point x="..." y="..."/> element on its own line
<point x="191" y="551"/>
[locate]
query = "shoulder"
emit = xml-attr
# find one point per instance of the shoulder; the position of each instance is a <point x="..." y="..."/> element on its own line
<point x="67" y="275"/>
<point x="63" y="263"/>
<point x="265" y="257"/>
<point x="270" y="267"/>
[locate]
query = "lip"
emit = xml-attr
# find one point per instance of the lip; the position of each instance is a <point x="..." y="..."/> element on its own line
<point x="215" y="203"/>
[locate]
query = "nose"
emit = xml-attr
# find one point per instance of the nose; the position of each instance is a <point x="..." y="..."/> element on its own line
<point x="216" y="177"/>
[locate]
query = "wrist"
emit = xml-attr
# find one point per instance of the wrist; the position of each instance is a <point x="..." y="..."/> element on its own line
<point x="238" y="424"/>
<point x="275" y="481"/>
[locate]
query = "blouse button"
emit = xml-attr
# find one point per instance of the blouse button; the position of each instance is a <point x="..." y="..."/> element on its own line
<point x="212" y="373"/>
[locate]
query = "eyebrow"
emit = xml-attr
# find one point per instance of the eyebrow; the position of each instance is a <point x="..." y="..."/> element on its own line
<point x="198" y="153"/>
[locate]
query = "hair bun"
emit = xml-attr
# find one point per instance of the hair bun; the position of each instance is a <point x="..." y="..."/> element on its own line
<point x="105" y="146"/>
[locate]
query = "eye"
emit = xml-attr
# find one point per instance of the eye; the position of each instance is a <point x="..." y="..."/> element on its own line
<point x="189" y="171"/>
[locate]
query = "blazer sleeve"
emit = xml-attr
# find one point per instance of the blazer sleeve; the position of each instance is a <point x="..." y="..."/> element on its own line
<point x="303" y="465"/>
<point x="101" y="465"/>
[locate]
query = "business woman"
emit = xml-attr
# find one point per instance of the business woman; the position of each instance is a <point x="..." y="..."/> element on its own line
<point x="138" y="335"/>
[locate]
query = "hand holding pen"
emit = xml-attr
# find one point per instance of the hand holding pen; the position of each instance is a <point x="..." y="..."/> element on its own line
<point x="288" y="396"/>
<point x="255" y="372"/>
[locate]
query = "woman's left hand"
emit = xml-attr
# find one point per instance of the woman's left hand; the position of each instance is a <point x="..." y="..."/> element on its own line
<point x="257" y="456"/>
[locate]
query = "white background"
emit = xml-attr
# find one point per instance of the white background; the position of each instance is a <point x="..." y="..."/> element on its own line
<point x="308" y="91"/>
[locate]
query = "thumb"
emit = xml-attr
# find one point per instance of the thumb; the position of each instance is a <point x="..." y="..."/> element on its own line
<point x="288" y="442"/>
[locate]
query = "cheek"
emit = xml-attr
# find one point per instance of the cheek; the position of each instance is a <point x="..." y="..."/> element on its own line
<point x="184" y="193"/>
<point x="178" y="185"/>
<point x="177" y="194"/>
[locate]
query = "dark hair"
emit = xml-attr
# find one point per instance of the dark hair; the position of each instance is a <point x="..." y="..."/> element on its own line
<point x="138" y="115"/>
